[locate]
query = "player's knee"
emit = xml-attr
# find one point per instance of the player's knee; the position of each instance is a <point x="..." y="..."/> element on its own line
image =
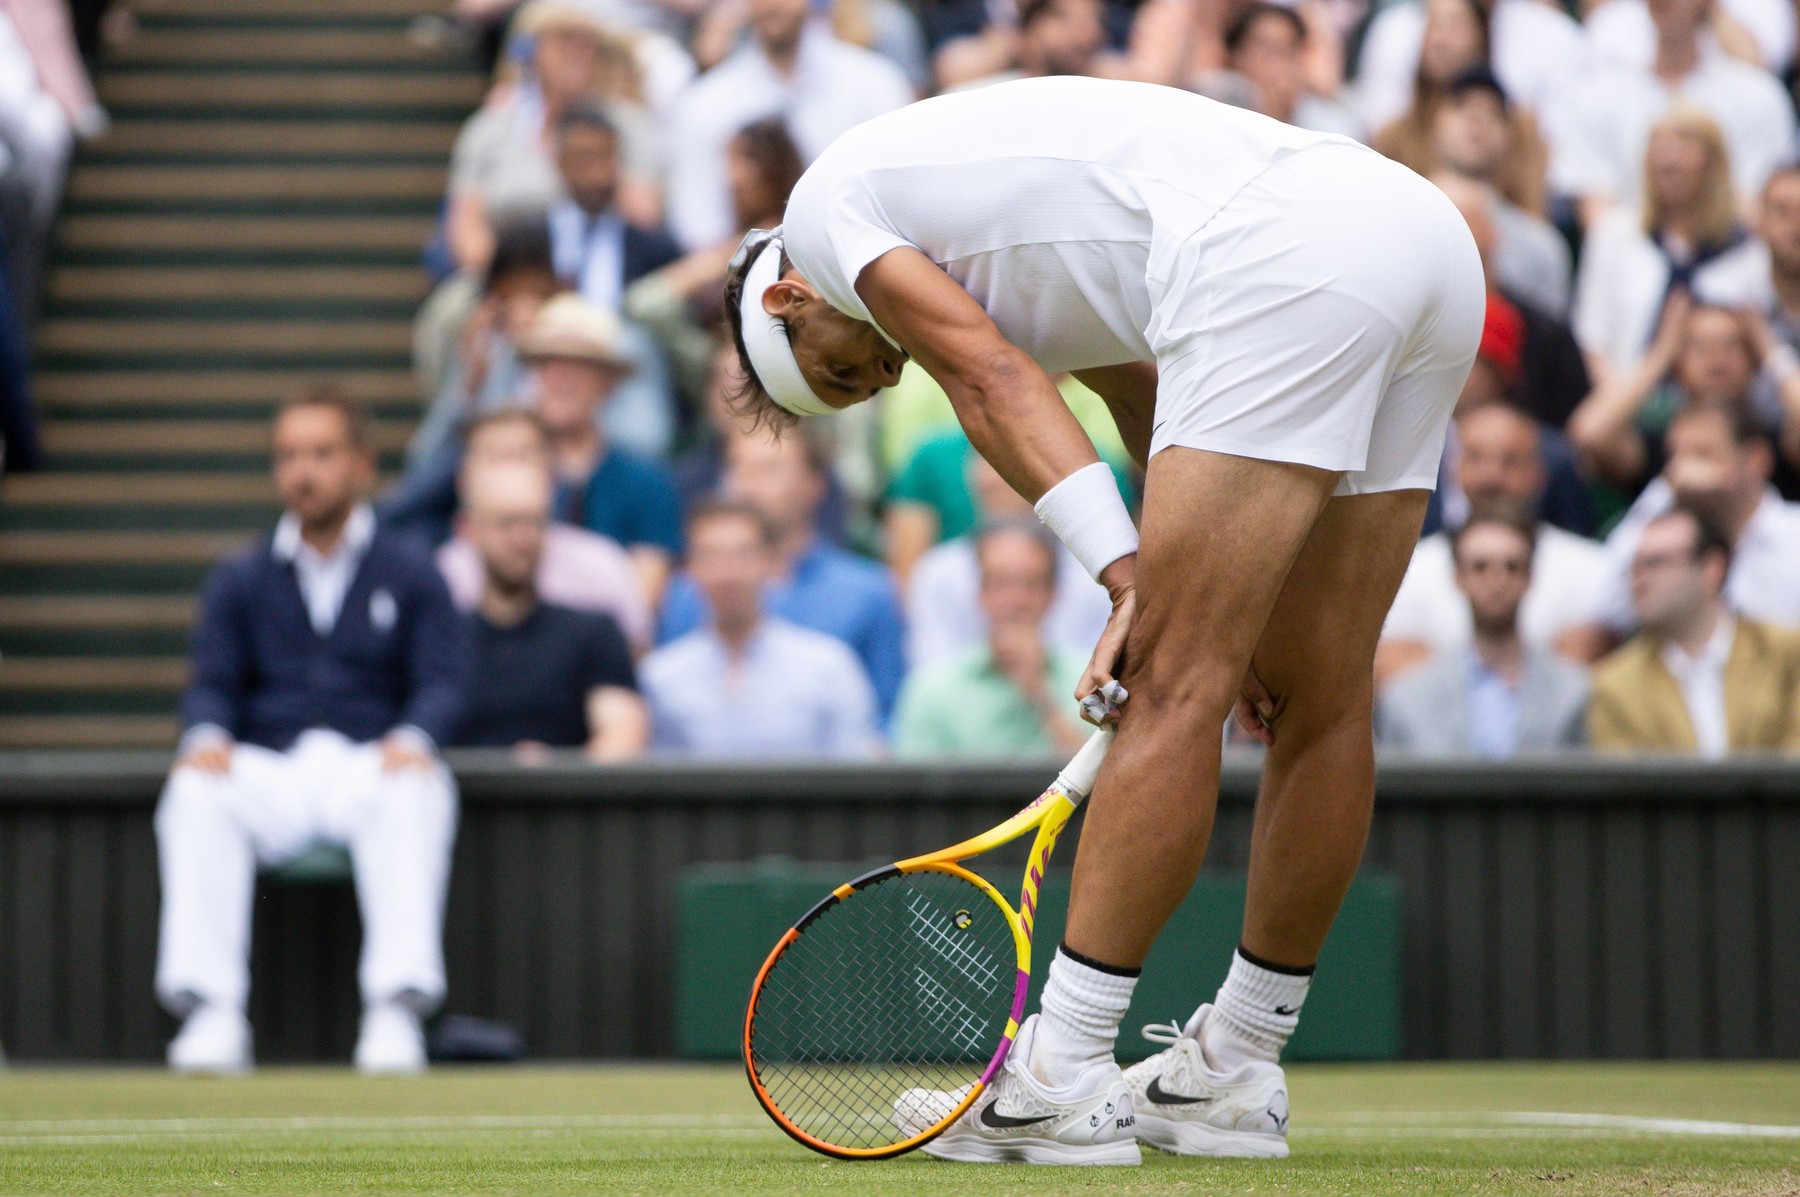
<point x="1183" y="692"/>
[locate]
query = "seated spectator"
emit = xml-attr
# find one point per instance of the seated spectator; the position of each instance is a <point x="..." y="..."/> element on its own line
<point x="1697" y="678"/>
<point x="1779" y="311"/>
<point x="1688" y="238"/>
<point x="1601" y="126"/>
<point x="19" y="447"/>
<point x="683" y="302"/>
<point x="888" y="27"/>
<point x="930" y="499"/>
<point x="1497" y="696"/>
<point x="1536" y="49"/>
<point x="1446" y="72"/>
<point x="791" y="66"/>
<point x="485" y="374"/>
<point x="1178" y="44"/>
<point x="944" y="617"/>
<point x="543" y="676"/>
<point x="1013" y="693"/>
<point x="45" y="102"/>
<point x="572" y="350"/>
<point x="1551" y="378"/>
<point x="1702" y="357"/>
<point x="328" y="665"/>
<point x="1719" y="463"/>
<point x="815" y="584"/>
<point x="577" y="569"/>
<point x="1473" y="136"/>
<point x="1055" y="37"/>
<point x="1759" y="32"/>
<point x="1265" y="58"/>
<point x="502" y="169"/>
<point x="743" y="684"/>
<point x="1498" y="462"/>
<point x="599" y="253"/>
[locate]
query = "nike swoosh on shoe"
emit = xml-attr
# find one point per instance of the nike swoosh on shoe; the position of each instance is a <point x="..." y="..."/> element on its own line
<point x="990" y="1117"/>
<point x="1162" y="1097"/>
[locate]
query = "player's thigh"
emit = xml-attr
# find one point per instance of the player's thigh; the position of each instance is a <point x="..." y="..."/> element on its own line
<point x="1219" y="535"/>
<point x="1317" y="648"/>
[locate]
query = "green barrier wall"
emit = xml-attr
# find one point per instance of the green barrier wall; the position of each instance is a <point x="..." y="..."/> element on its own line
<point x="729" y="916"/>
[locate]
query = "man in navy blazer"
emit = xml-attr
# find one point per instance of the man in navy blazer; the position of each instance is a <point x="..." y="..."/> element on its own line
<point x="328" y="664"/>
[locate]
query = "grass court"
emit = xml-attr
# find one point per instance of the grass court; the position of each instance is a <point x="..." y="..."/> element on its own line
<point x="1367" y="1131"/>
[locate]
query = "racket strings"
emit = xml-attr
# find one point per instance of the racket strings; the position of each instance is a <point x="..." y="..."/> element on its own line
<point x="903" y="986"/>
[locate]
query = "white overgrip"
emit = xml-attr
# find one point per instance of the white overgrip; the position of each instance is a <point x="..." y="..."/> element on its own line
<point x="1078" y="776"/>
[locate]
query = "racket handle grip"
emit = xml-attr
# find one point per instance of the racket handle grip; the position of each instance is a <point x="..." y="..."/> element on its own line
<point x="1077" y="778"/>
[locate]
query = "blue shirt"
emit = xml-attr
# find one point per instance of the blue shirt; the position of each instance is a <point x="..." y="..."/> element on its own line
<point x="1493" y="713"/>
<point x="630" y="499"/>
<point x="830" y="591"/>
<point x="794" y="693"/>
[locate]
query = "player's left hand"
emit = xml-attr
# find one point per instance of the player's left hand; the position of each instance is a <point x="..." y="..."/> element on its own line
<point x="1256" y="709"/>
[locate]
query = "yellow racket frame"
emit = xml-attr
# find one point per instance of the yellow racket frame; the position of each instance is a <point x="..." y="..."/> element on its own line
<point x="1048" y="814"/>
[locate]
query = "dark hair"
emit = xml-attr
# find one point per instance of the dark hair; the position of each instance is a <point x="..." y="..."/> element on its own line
<point x="586" y="114"/>
<point x="719" y="509"/>
<point x="1480" y="77"/>
<point x="1018" y="525"/>
<point x="770" y="147"/>
<point x="336" y="398"/>
<point x="1740" y="421"/>
<point x="1515" y="517"/>
<point x="750" y="401"/>
<point x="519" y="247"/>
<point x="1709" y="534"/>
<point x="1239" y="29"/>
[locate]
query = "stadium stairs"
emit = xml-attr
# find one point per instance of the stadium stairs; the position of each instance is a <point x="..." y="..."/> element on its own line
<point x="251" y="222"/>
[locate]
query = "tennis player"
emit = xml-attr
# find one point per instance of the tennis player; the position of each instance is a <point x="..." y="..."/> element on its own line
<point x="1280" y="322"/>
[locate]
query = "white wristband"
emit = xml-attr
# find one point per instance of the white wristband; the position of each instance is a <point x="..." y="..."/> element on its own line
<point x="1087" y="514"/>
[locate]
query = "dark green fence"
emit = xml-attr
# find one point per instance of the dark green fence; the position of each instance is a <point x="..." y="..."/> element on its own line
<point x="1571" y="909"/>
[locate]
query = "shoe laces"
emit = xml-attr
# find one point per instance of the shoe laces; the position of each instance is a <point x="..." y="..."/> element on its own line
<point x="1168" y="1035"/>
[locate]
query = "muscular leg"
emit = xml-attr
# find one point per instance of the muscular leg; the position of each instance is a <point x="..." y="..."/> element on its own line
<point x="1219" y="536"/>
<point x="1316" y="658"/>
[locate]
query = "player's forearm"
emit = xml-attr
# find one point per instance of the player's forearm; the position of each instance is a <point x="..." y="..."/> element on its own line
<point x="1017" y="419"/>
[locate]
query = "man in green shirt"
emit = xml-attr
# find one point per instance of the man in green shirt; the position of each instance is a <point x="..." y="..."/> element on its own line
<point x="1007" y="696"/>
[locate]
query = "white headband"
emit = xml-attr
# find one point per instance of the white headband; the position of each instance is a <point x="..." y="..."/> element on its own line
<point x="771" y="356"/>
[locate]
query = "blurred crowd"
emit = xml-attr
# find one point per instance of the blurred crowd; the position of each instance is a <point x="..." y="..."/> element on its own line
<point x="46" y="103"/>
<point x="589" y="550"/>
<point x="869" y="587"/>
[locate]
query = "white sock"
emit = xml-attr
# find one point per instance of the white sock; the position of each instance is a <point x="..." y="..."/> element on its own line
<point x="1079" y="1016"/>
<point x="1257" y="1009"/>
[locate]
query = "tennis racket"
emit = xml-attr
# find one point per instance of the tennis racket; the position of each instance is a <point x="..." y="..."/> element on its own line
<point x="884" y="1012"/>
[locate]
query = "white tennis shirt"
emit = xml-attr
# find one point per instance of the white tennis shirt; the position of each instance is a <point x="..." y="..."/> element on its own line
<point x="1057" y="203"/>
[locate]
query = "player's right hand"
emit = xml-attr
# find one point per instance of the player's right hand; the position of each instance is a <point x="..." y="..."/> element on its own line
<point x="1101" y="678"/>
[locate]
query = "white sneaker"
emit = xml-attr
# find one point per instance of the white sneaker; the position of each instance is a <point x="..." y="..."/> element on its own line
<point x="391" y="1041"/>
<point x="1184" y="1106"/>
<point x="214" y="1039"/>
<point x="1021" y="1120"/>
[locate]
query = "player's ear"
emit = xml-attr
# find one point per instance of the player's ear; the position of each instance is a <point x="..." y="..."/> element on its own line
<point x="785" y="297"/>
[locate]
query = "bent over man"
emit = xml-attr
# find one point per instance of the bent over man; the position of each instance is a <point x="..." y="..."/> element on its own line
<point x="1280" y="322"/>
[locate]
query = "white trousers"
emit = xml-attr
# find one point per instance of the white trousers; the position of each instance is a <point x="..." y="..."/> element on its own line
<point x="213" y="831"/>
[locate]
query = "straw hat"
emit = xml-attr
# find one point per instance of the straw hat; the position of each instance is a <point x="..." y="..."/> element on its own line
<point x="540" y="15"/>
<point x="571" y="327"/>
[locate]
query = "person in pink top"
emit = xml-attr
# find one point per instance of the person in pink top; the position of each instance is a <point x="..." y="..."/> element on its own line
<point x="581" y="570"/>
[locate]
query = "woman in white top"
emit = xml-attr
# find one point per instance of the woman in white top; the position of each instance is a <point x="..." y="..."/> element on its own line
<point x="1280" y="322"/>
<point x="1688" y="237"/>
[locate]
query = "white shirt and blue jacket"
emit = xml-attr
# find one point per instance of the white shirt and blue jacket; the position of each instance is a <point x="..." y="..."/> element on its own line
<point x="361" y="642"/>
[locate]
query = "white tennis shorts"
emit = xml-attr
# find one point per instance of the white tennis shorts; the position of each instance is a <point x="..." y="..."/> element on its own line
<point x="1328" y="315"/>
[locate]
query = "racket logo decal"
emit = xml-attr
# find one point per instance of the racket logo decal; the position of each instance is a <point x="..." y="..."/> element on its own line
<point x="962" y="919"/>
